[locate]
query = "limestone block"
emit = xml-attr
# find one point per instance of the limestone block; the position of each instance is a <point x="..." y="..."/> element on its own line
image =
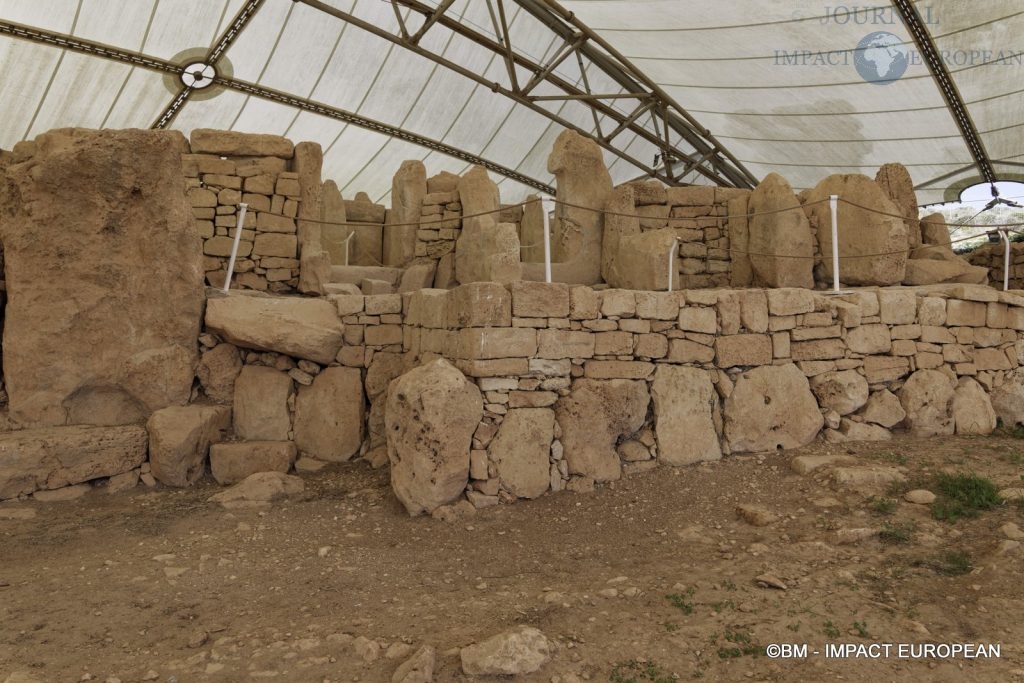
<point x="619" y="221"/>
<point x="230" y="463"/>
<point x="927" y="398"/>
<point x="743" y="349"/>
<point x="539" y="299"/>
<point x="685" y="406"/>
<point x="479" y="304"/>
<point x="55" y="457"/>
<point x="103" y="270"/>
<point x="697" y="319"/>
<point x="844" y="392"/>
<point x="217" y="371"/>
<point x="519" y="650"/>
<point x="790" y="301"/>
<point x="275" y="244"/>
<point x="966" y="313"/>
<point x="486" y="251"/>
<point x="585" y="303"/>
<point x="329" y="415"/>
<point x="408" y="188"/>
<point x="883" y="369"/>
<point x="232" y="143"/>
<point x="557" y="344"/>
<point x="485" y="343"/>
<point x="861" y="232"/>
<point x="1008" y="399"/>
<point x="304" y="328"/>
<point x="897" y="307"/>
<point x="531" y="231"/>
<point x="895" y="181"/>
<point x="582" y="179"/>
<point x="771" y="407"/>
<point x="972" y="409"/>
<point x="883" y="408"/>
<point x="180" y="439"/>
<point x="261" y="404"/>
<point x="642" y="261"/>
<point x="418" y="276"/>
<point x="869" y="339"/>
<point x="431" y="414"/>
<point x="521" y="449"/>
<point x="593" y="417"/>
<point x="935" y="231"/>
<point x="780" y="243"/>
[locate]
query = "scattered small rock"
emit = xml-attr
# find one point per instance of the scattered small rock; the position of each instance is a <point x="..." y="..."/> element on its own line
<point x="1012" y="494"/>
<point x="919" y="497"/>
<point x="851" y="536"/>
<point x="756" y="515"/>
<point x="770" y="581"/>
<point x="519" y="650"/>
<point x="1012" y="531"/>
<point x="417" y="669"/>
<point x="368" y="650"/>
<point x="7" y="512"/>
<point x="62" y="495"/>
<point x="259" y="490"/>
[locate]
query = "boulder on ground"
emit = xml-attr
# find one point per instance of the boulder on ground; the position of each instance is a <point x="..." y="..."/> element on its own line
<point x="1008" y="399"/>
<point x="55" y="457"/>
<point x="884" y="409"/>
<point x="430" y="416"/>
<point x="103" y="270"/>
<point x="927" y="398"/>
<point x="685" y="407"/>
<point x="417" y="669"/>
<point x="593" y="417"/>
<point x="260" y="490"/>
<point x="872" y="245"/>
<point x="972" y="409"/>
<point x="519" y="650"/>
<point x="771" y="407"/>
<point x="780" y="241"/>
<point x="300" y="327"/>
<point x="180" y="438"/>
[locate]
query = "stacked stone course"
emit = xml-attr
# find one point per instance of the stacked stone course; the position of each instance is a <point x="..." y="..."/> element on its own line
<point x="992" y="256"/>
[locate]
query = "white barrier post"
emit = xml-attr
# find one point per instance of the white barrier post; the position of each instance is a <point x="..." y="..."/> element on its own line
<point x="833" y="202"/>
<point x="672" y="261"/>
<point x="547" y="239"/>
<point x="234" y="246"/>
<point x="347" y="248"/>
<point x="1006" y="260"/>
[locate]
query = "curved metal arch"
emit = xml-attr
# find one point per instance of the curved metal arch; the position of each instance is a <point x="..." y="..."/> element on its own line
<point x="656" y="118"/>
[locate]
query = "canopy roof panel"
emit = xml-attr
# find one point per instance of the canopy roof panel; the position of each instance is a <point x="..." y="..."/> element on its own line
<point x="704" y="93"/>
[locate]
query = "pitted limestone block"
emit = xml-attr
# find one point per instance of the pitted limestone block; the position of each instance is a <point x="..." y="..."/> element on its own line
<point x="927" y="397"/>
<point x="539" y="299"/>
<point x="232" y="462"/>
<point x="780" y="241"/>
<point x="329" y="415"/>
<point x="479" y="304"/>
<point x="180" y="438"/>
<point x="521" y="449"/>
<point x="771" y="407"/>
<point x="685" y="407"/>
<point x="232" y="143"/>
<point x="261" y="404"/>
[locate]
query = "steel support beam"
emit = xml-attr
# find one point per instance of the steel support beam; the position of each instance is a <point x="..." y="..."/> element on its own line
<point x="944" y="80"/>
<point x="94" y="49"/>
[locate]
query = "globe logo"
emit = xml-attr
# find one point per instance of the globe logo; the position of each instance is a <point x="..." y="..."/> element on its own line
<point x="881" y="58"/>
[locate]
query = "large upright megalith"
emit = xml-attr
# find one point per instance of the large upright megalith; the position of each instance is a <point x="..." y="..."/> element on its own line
<point x="104" y="277"/>
<point x="780" y="242"/>
<point x="408" y="187"/>
<point x="487" y="250"/>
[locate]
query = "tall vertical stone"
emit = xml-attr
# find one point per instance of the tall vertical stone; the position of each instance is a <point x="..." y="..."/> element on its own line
<point x="620" y="221"/>
<point x="935" y="232"/>
<point x="486" y="251"/>
<point x="895" y="181"/>
<point x="742" y="273"/>
<point x="104" y="277"/>
<point x="408" y="187"/>
<point x="685" y="405"/>
<point x="334" y="229"/>
<point x="314" y="262"/>
<point x="581" y="179"/>
<point x="531" y="231"/>
<point x="780" y="245"/>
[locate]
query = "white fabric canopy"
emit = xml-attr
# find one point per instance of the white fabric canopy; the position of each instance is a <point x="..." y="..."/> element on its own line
<point x="738" y="67"/>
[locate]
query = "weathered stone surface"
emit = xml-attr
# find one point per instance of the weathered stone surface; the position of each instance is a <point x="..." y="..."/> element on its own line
<point x="261" y="404"/>
<point x="927" y="398"/>
<point x="743" y="349"/>
<point x="932" y="271"/>
<point x="233" y="143"/>
<point x="519" y="650"/>
<point x="418" y="276"/>
<point x="218" y="368"/>
<point x="479" y="304"/>
<point x="314" y="261"/>
<point x="860" y="431"/>
<point x="531" y="231"/>
<point x="103" y="267"/>
<point x="230" y="463"/>
<point x="520" y="451"/>
<point x="883" y="408"/>
<point x="935" y="231"/>
<point x="861" y="232"/>
<point x="304" y="328"/>
<point x="593" y="417"/>
<point x="780" y="242"/>
<point x="972" y="409"/>
<point x="180" y="438"/>
<point x="620" y="221"/>
<point x="844" y="392"/>
<point x="771" y="407"/>
<point x="329" y="415"/>
<point x="430" y="416"/>
<point x="55" y="457"/>
<point x="486" y="251"/>
<point x="260" y="490"/>
<point x="685" y="404"/>
<point x="408" y="187"/>
<point x="417" y="669"/>
<point x="895" y="181"/>
<point x="1008" y="399"/>
<point x="539" y="299"/>
<point x="581" y="178"/>
<point x="335" y="231"/>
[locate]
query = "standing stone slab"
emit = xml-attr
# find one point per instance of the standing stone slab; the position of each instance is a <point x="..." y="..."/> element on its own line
<point x="55" y="457"/>
<point x="103" y="266"/>
<point x="771" y="407"/>
<point x="927" y="397"/>
<point x="304" y="328"/>
<point x="329" y="415"/>
<point x="430" y="416"/>
<point x="780" y="241"/>
<point x="895" y="181"/>
<point x="230" y="463"/>
<point x="486" y="251"/>
<point x="972" y="409"/>
<point x="593" y="417"/>
<point x="685" y="403"/>
<point x="261" y="404"/>
<point x="408" y="187"/>
<point x="180" y="438"/>
<point x="520" y="451"/>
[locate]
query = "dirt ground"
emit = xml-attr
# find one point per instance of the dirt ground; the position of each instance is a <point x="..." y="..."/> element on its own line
<point x="650" y="579"/>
